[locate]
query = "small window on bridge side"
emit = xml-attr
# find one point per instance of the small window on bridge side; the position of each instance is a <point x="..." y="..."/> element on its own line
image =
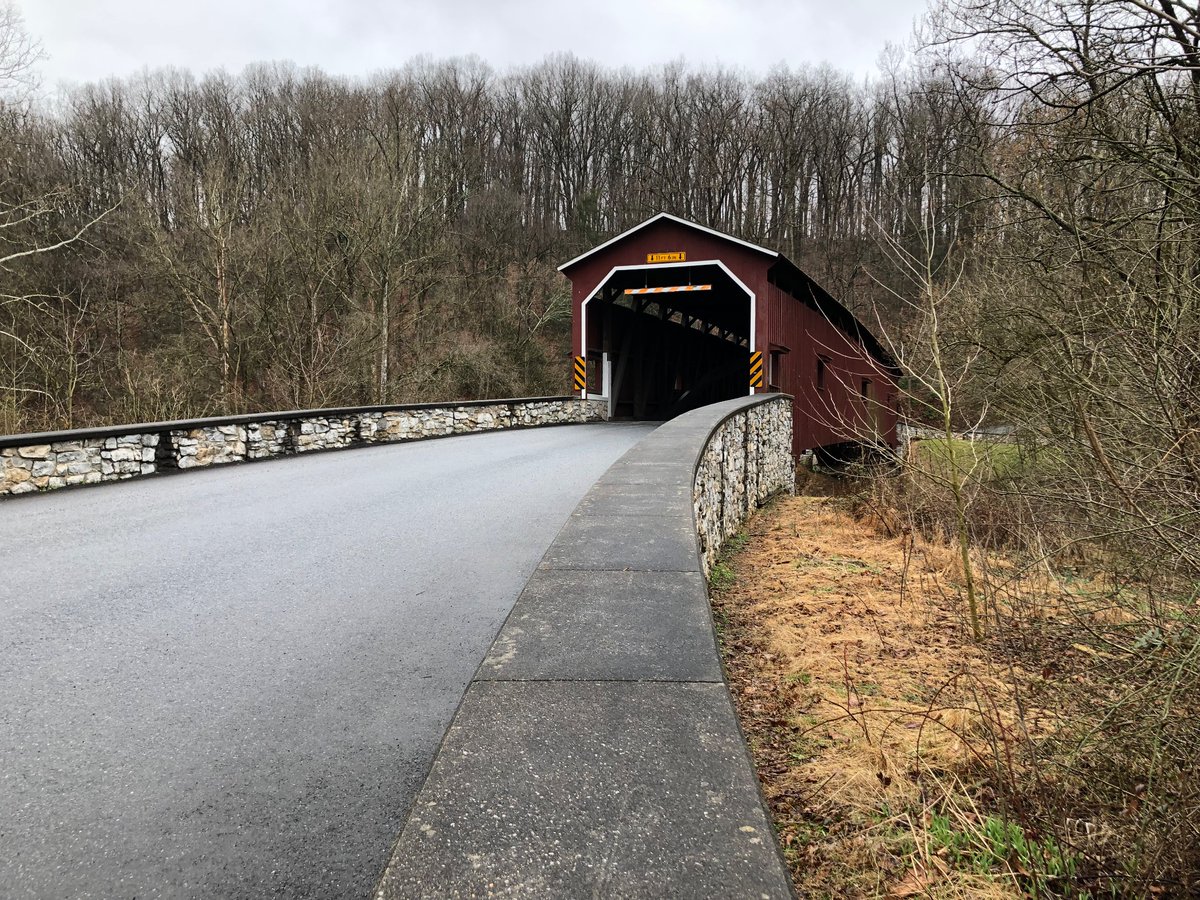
<point x="775" y="371"/>
<point x="870" y="407"/>
<point x="822" y="365"/>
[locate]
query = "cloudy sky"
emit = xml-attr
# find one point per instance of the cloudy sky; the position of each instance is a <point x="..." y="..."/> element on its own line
<point x="90" y="39"/>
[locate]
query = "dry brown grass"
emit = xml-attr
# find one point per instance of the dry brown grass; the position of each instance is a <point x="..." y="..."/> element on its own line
<point x="867" y="707"/>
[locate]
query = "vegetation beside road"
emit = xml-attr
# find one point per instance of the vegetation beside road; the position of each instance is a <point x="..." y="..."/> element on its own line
<point x="902" y="758"/>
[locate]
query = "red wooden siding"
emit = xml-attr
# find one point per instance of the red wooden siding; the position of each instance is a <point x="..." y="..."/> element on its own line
<point x="823" y="416"/>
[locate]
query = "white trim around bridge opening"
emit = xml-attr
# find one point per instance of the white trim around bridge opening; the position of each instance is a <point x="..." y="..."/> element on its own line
<point x="583" y="346"/>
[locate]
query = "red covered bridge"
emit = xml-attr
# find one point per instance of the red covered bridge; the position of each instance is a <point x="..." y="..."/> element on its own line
<point x="671" y="315"/>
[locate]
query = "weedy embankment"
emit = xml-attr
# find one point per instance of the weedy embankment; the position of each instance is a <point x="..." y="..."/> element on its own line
<point x="900" y="757"/>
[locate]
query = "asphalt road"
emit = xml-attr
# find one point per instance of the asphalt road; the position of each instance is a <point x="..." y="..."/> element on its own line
<point x="231" y="683"/>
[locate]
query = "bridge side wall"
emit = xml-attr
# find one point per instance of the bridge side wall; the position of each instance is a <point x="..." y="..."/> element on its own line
<point x="747" y="460"/>
<point x="43" y="462"/>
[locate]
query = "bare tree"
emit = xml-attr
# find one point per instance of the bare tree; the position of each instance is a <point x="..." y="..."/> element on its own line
<point x="19" y="55"/>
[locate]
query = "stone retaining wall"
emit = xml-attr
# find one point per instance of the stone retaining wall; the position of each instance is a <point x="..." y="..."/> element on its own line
<point x="54" y="464"/>
<point x="41" y="462"/>
<point x="747" y="459"/>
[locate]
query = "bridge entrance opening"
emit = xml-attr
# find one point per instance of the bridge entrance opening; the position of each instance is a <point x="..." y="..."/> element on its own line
<point x="665" y="339"/>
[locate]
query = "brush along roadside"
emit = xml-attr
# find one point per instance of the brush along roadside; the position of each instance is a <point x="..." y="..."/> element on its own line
<point x="899" y="757"/>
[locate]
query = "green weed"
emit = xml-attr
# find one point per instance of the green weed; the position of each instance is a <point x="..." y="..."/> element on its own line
<point x="997" y="845"/>
<point x="721" y="577"/>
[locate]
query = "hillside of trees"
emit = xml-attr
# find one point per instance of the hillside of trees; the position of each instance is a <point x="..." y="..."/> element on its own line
<point x="286" y="238"/>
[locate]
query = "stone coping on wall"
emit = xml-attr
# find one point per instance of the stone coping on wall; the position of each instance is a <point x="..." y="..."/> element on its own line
<point x="106" y="431"/>
<point x="596" y="751"/>
<point x="40" y="462"/>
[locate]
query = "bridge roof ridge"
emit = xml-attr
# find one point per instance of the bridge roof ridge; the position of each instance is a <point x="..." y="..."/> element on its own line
<point x="687" y="223"/>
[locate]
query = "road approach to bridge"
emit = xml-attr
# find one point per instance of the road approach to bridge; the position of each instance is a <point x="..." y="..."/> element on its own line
<point x="232" y="684"/>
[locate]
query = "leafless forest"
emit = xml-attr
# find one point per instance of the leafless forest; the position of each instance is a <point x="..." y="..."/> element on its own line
<point x="285" y="238"/>
<point x="1015" y="207"/>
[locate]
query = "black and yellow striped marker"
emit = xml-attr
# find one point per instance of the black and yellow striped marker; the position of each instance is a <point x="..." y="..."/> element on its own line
<point x="580" y="373"/>
<point x="756" y="372"/>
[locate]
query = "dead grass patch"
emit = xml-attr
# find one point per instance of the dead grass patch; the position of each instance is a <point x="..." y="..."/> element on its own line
<point x="876" y="724"/>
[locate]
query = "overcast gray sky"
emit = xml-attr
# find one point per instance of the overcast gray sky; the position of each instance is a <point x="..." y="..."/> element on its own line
<point x="91" y="39"/>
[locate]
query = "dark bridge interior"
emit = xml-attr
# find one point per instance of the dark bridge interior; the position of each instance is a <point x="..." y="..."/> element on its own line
<point x="668" y="351"/>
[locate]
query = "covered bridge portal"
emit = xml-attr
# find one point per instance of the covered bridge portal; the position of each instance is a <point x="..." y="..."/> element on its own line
<point x="671" y="315"/>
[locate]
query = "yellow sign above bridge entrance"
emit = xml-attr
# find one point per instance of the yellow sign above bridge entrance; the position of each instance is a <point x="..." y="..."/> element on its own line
<point x="676" y="256"/>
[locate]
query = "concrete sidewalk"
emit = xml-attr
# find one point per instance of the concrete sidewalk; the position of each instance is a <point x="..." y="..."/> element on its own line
<point x="596" y="752"/>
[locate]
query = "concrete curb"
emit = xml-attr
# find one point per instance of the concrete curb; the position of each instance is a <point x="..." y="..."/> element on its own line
<point x="596" y="752"/>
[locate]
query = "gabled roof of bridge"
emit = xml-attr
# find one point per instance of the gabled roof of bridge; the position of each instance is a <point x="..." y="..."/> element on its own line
<point x="793" y="280"/>
<point x="668" y="217"/>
